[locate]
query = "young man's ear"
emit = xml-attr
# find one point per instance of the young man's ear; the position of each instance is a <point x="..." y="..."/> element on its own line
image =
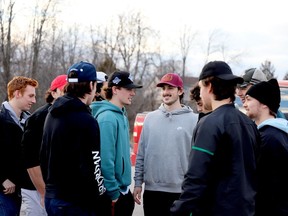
<point x="210" y="89"/>
<point x="114" y="88"/>
<point x="17" y="94"/>
<point x="93" y="86"/>
<point x="180" y="91"/>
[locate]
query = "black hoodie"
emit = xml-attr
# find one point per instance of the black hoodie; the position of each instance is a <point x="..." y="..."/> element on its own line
<point x="70" y="153"/>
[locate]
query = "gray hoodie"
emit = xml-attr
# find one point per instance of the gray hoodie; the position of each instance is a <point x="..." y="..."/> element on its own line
<point x="164" y="148"/>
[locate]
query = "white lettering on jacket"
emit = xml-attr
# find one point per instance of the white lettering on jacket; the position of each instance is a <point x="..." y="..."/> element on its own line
<point x="98" y="175"/>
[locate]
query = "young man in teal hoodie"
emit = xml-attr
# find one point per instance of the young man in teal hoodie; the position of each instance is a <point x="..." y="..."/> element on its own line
<point x="115" y="144"/>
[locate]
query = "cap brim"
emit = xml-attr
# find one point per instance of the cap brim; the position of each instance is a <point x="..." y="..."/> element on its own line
<point x="242" y="85"/>
<point x="165" y="83"/>
<point x="231" y="77"/>
<point x="132" y="86"/>
<point x="100" y="80"/>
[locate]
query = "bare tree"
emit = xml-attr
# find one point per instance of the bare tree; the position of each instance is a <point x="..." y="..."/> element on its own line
<point x="212" y="46"/>
<point x="125" y="43"/>
<point x="218" y="47"/>
<point x="268" y="69"/>
<point x="96" y="44"/>
<point x="5" y="28"/>
<point x="38" y="32"/>
<point x="186" y="40"/>
<point x="285" y="76"/>
<point x="109" y="45"/>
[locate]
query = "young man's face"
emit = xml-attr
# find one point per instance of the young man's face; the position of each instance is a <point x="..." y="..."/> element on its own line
<point x="91" y="96"/>
<point x="241" y="91"/>
<point x="205" y="96"/>
<point x="102" y="92"/>
<point x="200" y="107"/>
<point x="170" y="94"/>
<point x="125" y="96"/>
<point x="252" y="107"/>
<point x="27" y="99"/>
<point x="57" y="93"/>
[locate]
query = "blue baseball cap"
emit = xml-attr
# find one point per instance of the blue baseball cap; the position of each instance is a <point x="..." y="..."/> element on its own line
<point x="81" y="72"/>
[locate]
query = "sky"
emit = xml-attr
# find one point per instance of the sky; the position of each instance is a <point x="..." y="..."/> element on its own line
<point x="256" y="28"/>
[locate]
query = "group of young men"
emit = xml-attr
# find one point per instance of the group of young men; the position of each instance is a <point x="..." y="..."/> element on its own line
<point x="236" y="162"/>
<point x="55" y="154"/>
<point x="72" y="156"/>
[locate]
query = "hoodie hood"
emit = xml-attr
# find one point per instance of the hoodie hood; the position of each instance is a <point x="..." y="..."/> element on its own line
<point x="280" y="123"/>
<point x="66" y="104"/>
<point x="183" y="109"/>
<point x="24" y="115"/>
<point x="98" y="107"/>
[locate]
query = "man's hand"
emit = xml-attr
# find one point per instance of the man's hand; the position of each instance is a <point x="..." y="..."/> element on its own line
<point x="9" y="187"/>
<point x="137" y="195"/>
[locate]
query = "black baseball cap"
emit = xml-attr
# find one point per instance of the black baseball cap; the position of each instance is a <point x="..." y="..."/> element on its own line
<point x="122" y="79"/>
<point x="221" y="70"/>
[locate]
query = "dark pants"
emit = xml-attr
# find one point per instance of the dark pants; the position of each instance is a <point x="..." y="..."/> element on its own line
<point x="123" y="207"/>
<point x="156" y="203"/>
<point x="57" y="207"/>
<point x="10" y="204"/>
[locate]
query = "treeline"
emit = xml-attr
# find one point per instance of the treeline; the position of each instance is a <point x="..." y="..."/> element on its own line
<point x="46" y="48"/>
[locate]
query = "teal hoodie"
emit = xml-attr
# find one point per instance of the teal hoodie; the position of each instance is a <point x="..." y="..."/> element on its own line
<point x="115" y="146"/>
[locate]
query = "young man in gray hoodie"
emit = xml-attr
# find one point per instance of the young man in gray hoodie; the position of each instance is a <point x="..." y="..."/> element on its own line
<point x="164" y="148"/>
<point x="261" y="103"/>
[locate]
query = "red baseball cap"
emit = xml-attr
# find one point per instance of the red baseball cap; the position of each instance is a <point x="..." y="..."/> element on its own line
<point x="59" y="82"/>
<point x="172" y="79"/>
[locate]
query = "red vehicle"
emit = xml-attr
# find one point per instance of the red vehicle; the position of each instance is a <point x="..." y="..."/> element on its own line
<point x="138" y="124"/>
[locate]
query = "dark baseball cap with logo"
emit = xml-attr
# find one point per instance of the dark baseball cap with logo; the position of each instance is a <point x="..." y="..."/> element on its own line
<point x="122" y="79"/>
<point x="221" y="70"/>
<point x="81" y="72"/>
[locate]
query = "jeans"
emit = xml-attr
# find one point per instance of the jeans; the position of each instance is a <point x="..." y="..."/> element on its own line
<point x="123" y="207"/>
<point x="57" y="207"/>
<point x="10" y="204"/>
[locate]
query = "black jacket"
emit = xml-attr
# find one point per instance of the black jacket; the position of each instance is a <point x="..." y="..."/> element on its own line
<point x="221" y="178"/>
<point x="11" y="160"/>
<point x="32" y="138"/>
<point x="70" y="153"/>
<point x="272" y="196"/>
